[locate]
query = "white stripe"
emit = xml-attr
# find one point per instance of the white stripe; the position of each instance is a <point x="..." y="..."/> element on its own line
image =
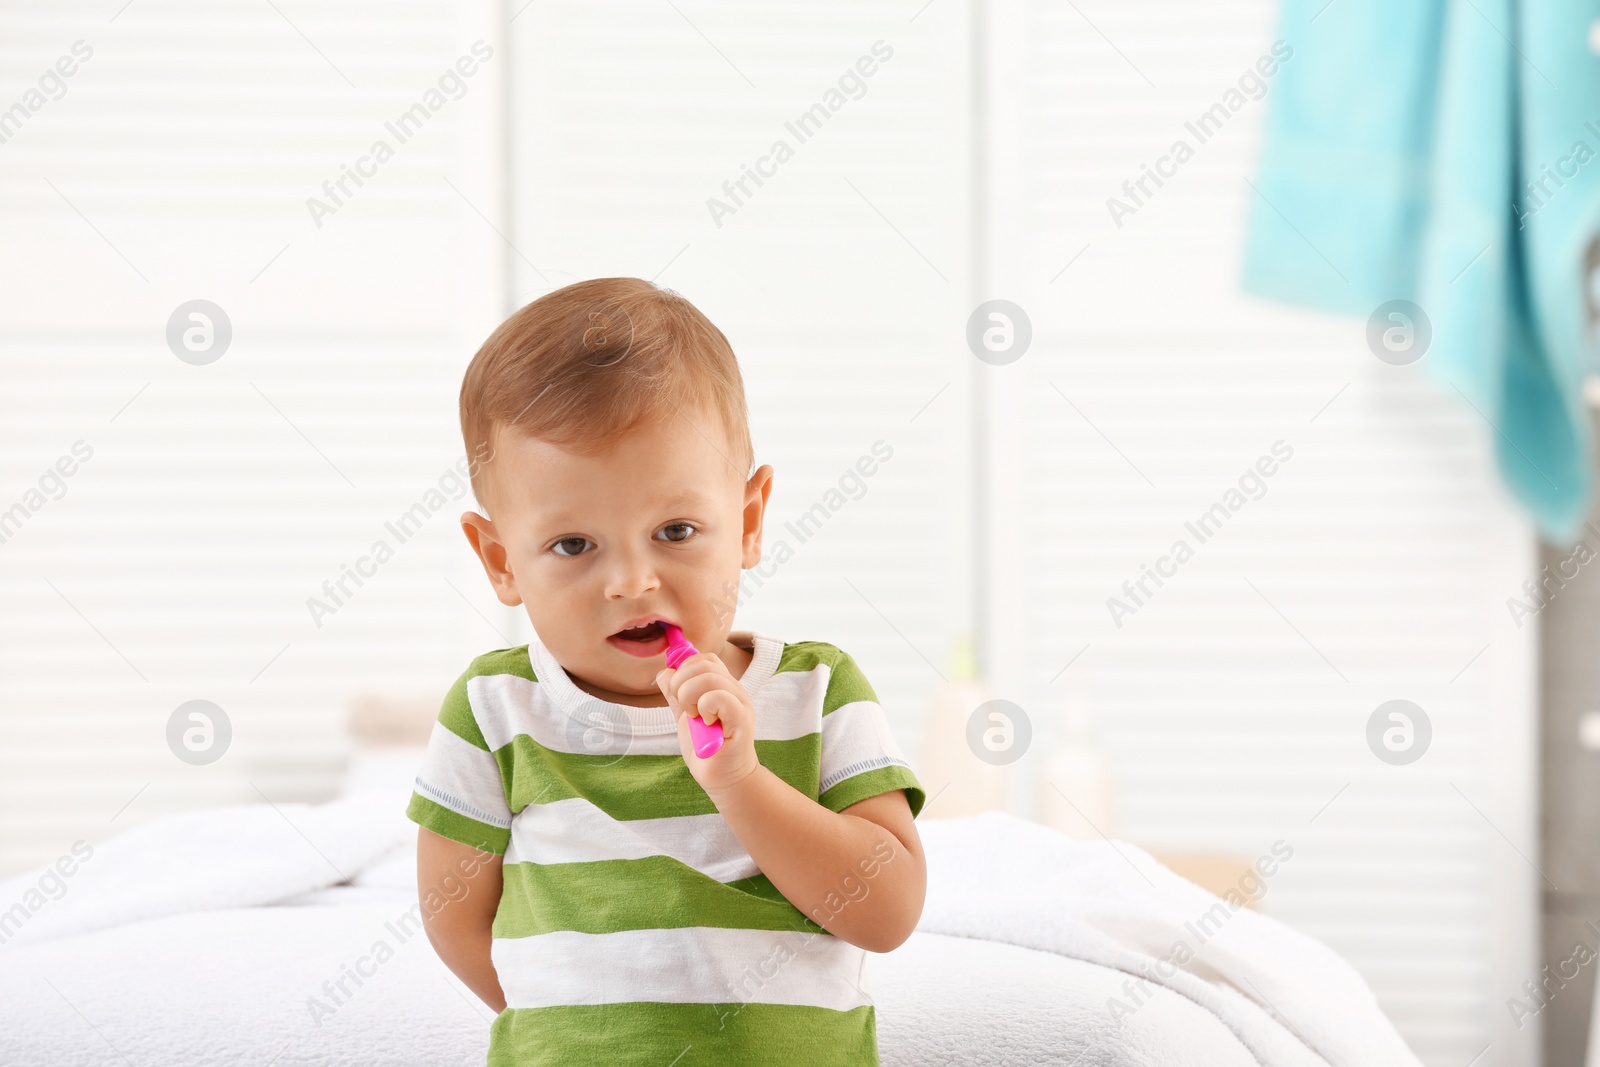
<point x="788" y="706"/>
<point x="506" y="705"/>
<point x="691" y="965"/>
<point x="463" y="777"/>
<point x="577" y="831"/>
<point x="856" y="739"/>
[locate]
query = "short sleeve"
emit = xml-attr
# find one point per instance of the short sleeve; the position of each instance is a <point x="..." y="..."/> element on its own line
<point x="459" y="793"/>
<point x="860" y="758"/>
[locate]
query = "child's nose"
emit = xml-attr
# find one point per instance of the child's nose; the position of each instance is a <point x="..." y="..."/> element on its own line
<point x="631" y="575"/>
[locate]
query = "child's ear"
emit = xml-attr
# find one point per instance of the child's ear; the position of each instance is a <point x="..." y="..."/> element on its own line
<point x="756" y="492"/>
<point x="485" y="542"/>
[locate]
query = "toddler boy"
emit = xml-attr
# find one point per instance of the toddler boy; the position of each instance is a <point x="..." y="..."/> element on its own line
<point x="621" y="900"/>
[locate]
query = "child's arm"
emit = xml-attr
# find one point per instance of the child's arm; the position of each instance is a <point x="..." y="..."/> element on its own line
<point x="859" y="873"/>
<point x="459" y="889"/>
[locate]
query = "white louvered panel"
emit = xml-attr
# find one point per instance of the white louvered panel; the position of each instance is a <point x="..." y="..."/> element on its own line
<point x="193" y="537"/>
<point x="627" y="119"/>
<point x="1385" y="540"/>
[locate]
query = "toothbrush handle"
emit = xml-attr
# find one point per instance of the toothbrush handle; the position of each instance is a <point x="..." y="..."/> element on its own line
<point x="707" y="738"/>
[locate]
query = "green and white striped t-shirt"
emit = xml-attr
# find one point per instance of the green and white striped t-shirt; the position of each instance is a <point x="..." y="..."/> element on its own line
<point x="633" y="927"/>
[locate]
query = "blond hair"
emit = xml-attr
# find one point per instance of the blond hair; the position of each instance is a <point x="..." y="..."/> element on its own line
<point x="584" y="365"/>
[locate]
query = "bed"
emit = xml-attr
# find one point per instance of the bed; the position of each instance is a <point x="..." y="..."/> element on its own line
<point x="278" y="935"/>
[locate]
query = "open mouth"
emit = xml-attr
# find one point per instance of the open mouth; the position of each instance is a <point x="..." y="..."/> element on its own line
<point x="643" y="641"/>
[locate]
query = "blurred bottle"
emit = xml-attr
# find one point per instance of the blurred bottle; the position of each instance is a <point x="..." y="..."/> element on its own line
<point x="1078" y="790"/>
<point x="957" y="781"/>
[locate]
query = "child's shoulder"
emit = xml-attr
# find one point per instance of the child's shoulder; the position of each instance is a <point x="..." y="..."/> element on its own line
<point x="808" y="656"/>
<point x="845" y="681"/>
<point x="513" y="661"/>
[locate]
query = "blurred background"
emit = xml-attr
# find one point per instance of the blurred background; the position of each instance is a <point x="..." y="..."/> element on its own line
<point x="249" y="249"/>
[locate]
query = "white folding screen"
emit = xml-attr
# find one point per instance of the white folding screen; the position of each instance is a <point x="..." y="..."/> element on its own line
<point x="801" y="174"/>
<point x="186" y="159"/>
<point x="1234" y="686"/>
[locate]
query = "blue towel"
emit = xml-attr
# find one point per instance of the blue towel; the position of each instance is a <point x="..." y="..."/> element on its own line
<point x="1447" y="153"/>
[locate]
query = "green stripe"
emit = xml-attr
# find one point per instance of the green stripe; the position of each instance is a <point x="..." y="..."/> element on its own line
<point x="446" y="823"/>
<point x="651" y="1034"/>
<point x="638" y="787"/>
<point x="846" y="685"/>
<point x="859" y="787"/>
<point x="456" y="714"/>
<point x="805" y="656"/>
<point x="607" y="896"/>
<point x="505" y="661"/>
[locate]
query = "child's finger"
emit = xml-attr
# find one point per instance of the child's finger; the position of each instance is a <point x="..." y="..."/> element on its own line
<point x="713" y="705"/>
<point x="702" y="663"/>
<point x="690" y="691"/>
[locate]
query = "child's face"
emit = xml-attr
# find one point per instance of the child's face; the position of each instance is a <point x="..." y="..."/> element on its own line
<point x="658" y="527"/>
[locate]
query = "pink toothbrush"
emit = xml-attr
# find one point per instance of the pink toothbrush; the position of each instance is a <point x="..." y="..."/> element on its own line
<point x="707" y="738"/>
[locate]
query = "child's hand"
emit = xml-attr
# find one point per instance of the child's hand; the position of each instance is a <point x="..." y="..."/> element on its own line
<point x="703" y="684"/>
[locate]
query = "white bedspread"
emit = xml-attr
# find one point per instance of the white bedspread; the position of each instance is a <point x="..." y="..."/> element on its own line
<point x="1002" y="878"/>
<point x="168" y="920"/>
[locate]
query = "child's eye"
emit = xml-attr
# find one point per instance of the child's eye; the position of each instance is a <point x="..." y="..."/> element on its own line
<point x="688" y="529"/>
<point x="580" y="541"/>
